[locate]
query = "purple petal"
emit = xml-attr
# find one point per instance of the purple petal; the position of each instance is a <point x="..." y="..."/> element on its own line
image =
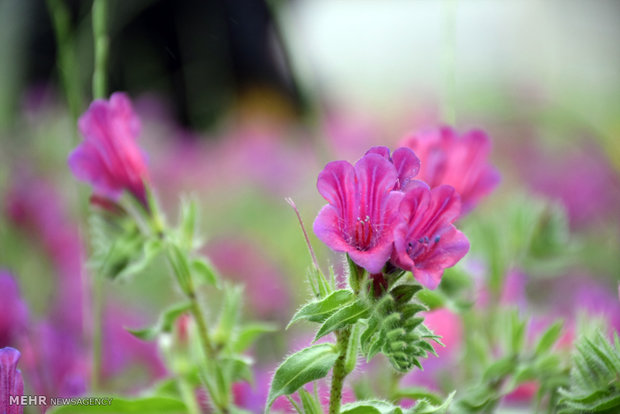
<point x="407" y="166"/>
<point x="11" y="383"/>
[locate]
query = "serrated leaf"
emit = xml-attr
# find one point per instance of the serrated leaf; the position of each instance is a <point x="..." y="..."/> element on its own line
<point x="370" y="407"/>
<point x="248" y="334"/>
<point x="151" y="405"/>
<point x="205" y="271"/>
<point x="549" y="338"/>
<point x="163" y="324"/>
<point x="344" y="317"/>
<point x="310" y="404"/>
<point x="302" y="367"/>
<point x="319" y="311"/>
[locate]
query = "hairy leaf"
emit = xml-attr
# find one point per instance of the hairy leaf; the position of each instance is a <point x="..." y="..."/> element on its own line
<point x="305" y="366"/>
<point x="319" y="311"/>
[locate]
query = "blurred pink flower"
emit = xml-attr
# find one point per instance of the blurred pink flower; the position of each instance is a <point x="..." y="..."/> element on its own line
<point x="109" y="158"/>
<point x="362" y="210"/>
<point x="459" y="161"/>
<point x="425" y="240"/>
<point x="13" y="311"/>
<point x="11" y="382"/>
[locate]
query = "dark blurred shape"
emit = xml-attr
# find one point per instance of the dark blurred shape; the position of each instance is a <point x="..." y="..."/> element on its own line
<point x="205" y="56"/>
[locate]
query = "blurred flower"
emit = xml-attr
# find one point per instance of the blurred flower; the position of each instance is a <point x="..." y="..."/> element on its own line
<point x="425" y="240"/>
<point x="11" y="382"/>
<point x="405" y="161"/>
<point x="362" y="210"/>
<point x="246" y="263"/>
<point x="55" y="361"/>
<point x="459" y="161"/>
<point x="123" y="351"/>
<point x="13" y="311"/>
<point x="58" y="236"/>
<point x="583" y="182"/>
<point x="110" y="158"/>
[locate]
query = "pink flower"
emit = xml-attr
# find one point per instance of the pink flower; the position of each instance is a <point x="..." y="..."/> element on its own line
<point x="457" y="161"/>
<point x="425" y="240"/>
<point x="109" y="158"/>
<point x="11" y="382"/>
<point x="362" y="210"/>
<point x="405" y="161"/>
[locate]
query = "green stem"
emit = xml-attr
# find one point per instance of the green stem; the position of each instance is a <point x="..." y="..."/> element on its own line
<point x="66" y="57"/>
<point x="101" y="43"/>
<point x="339" y="371"/>
<point x="189" y="397"/>
<point x="98" y="303"/>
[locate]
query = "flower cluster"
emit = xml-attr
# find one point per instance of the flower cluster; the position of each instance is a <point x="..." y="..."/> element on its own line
<point x="398" y="209"/>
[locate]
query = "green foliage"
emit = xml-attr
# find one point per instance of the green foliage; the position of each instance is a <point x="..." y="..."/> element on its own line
<point x="371" y="407"/>
<point x="119" y="248"/>
<point x="319" y="311"/>
<point x="594" y="377"/>
<point x="426" y="407"/>
<point x="517" y="362"/>
<point x="247" y="334"/>
<point x="305" y="366"/>
<point x="310" y="403"/>
<point x="395" y="329"/>
<point x="164" y="323"/>
<point x="151" y="405"/>
<point x="346" y="316"/>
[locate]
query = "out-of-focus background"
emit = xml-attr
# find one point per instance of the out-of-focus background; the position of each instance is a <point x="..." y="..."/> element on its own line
<point x="244" y="101"/>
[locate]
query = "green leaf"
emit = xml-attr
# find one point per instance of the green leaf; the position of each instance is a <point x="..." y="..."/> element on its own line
<point x="151" y="405"/>
<point x="425" y="407"/>
<point x="344" y="317"/>
<point x="370" y="407"/>
<point x="310" y="404"/>
<point x="205" y="271"/>
<point x="180" y="266"/>
<point x="188" y="221"/>
<point x="352" y="349"/>
<point x="305" y="366"/>
<point x="248" y="334"/>
<point x="500" y="369"/>
<point x="434" y="299"/>
<point x="320" y="310"/>
<point x="404" y="293"/>
<point x="229" y="316"/>
<point x="549" y="338"/>
<point x="164" y="323"/>
<point x="418" y="393"/>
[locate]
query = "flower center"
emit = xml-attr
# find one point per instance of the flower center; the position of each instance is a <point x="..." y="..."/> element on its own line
<point x="421" y="246"/>
<point x="363" y="233"/>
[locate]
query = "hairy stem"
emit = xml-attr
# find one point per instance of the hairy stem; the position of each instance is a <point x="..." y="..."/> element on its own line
<point x="339" y="371"/>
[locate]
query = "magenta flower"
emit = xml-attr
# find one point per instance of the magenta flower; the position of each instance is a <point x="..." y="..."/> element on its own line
<point x="109" y="158"/>
<point x="13" y="311"/>
<point x="460" y="162"/>
<point x="11" y="382"/>
<point x="405" y="161"/>
<point x="362" y="210"/>
<point x="425" y="240"/>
